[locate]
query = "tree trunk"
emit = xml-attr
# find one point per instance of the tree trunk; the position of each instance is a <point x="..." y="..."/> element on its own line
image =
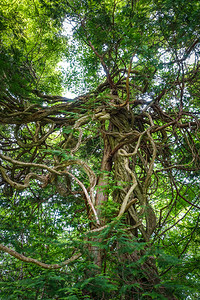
<point x="139" y="217"/>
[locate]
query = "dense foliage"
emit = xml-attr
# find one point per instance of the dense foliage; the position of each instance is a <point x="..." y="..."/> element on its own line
<point x="100" y="193"/>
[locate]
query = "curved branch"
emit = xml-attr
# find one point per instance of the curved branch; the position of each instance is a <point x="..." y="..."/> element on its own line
<point x="25" y="164"/>
<point x="151" y="165"/>
<point x="35" y="142"/>
<point x="27" y="179"/>
<point x="79" y="141"/>
<point x="122" y="153"/>
<point x="134" y="184"/>
<point x="87" y="196"/>
<point x="37" y="262"/>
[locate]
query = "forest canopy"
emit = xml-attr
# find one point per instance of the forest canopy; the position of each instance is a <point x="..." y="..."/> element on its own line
<point x="100" y="192"/>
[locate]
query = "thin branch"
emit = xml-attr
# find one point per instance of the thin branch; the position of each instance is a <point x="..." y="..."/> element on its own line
<point x="27" y="179"/>
<point x="37" y="262"/>
<point x="126" y="198"/>
<point x="86" y="195"/>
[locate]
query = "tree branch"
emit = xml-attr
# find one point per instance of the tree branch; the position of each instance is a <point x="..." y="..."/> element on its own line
<point x="37" y="262"/>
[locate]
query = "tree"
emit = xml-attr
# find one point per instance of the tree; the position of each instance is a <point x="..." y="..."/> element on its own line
<point x="101" y="190"/>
